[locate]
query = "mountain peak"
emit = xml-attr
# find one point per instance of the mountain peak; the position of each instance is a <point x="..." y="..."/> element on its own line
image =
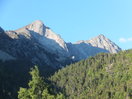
<point x="36" y="26"/>
<point x="44" y="35"/>
<point x="38" y="22"/>
<point x="101" y="36"/>
<point x="102" y="42"/>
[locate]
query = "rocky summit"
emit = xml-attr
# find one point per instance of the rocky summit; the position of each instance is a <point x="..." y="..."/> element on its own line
<point x="85" y="48"/>
<point x="40" y="45"/>
<point x="102" y="42"/>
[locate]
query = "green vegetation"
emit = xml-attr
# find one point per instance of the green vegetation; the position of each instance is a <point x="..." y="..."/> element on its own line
<point x="38" y="89"/>
<point x="105" y="76"/>
<point x="14" y="74"/>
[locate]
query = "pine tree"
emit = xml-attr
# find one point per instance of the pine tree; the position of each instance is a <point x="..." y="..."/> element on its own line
<point x="38" y="89"/>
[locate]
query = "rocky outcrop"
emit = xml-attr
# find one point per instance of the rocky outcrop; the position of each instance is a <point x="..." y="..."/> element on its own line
<point x="27" y="44"/>
<point x="39" y="44"/>
<point x="83" y="49"/>
<point x="102" y="42"/>
<point x="41" y="32"/>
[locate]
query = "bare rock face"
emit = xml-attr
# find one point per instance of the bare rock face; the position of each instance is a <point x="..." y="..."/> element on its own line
<point x="44" y="35"/>
<point x="57" y="38"/>
<point x="36" y="26"/>
<point x="39" y="44"/>
<point x="102" y="42"/>
<point x="3" y="55"/>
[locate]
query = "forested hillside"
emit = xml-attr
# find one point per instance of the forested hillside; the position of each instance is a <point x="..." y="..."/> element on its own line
<point x="15" y="74"/>
<point x="105" y="76"/>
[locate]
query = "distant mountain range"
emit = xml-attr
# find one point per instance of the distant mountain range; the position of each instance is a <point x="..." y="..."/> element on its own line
<point x="39" y="44"/>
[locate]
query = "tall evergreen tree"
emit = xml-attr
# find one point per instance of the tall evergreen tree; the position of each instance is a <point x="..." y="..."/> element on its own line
<point x="38" y="89"/>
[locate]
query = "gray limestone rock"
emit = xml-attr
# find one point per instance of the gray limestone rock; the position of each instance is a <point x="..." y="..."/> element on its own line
<point x="39" y="44"/>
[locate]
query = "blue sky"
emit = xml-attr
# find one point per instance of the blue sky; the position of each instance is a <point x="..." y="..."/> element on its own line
<point x="73" y="19"/>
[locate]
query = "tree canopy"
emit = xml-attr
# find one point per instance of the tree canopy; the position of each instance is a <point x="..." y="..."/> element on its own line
<point x="37" y="88"/>
<point x="105" y="76"/>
